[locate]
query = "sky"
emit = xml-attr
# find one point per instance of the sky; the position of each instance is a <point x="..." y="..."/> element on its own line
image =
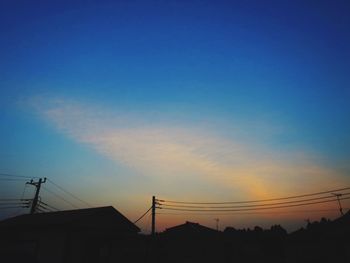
<point x="117" y="101"/>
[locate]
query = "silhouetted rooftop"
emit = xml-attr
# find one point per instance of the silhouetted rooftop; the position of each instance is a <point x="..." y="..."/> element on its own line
<point x="343" y="219"/>
<point x="190" y="228"/>
<point x="100" y="217"/>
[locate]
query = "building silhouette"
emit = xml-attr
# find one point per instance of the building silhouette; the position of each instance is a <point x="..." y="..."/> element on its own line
<point x="83" y="235"/>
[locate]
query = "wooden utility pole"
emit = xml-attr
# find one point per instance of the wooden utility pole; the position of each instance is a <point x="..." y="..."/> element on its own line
<point x="36" y="197"/>
<point x="153" y="215"/>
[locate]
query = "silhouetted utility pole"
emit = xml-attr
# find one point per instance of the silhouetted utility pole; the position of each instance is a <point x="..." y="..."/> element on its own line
<point x="153" y="215"/>
<point x="36" y="197"/>
<point x="340" y="208"/>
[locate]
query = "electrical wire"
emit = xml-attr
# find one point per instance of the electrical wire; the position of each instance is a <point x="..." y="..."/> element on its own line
<point x="40" y="210"/>
<point x="143" y="215"/>
<point x="257" y="205"/>
<point x="49" y="206"/>
<point x="252" y="209"/>
<point x="11" y="207"/>
<point x="24" y="190"/>
<point x="45" y="209"/>
<point x="14" y="203"/>
<point x="148" y="222"/>
<point x="14" y="175"/>
<point x="255" y="201"/>
<point x="251" y="213"/>
<point x="69" y="193"/>
<point x="17" y="211"/>
<point x="12" y="179"/>
<point x="60" y="197"/>
<point x="12" y="199"/>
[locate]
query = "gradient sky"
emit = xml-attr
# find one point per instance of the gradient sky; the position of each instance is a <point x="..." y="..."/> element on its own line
<point x="189" y="100"/>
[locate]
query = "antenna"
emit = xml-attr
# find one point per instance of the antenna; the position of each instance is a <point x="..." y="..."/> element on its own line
<point x="340" y="207"/>
<point x="217" y="223"/>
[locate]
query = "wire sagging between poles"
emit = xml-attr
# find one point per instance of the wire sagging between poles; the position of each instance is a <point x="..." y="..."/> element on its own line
<point x="143" y="215"/>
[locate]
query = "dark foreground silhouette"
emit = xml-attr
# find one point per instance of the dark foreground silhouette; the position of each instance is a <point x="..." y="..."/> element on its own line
<point x="105" y="235"/>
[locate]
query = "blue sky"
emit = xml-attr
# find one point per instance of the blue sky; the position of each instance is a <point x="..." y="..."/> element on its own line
<point x="224" y="89"/>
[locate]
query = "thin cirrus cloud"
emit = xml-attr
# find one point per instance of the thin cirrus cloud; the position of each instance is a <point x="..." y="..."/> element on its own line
<point x="172" y="154"/>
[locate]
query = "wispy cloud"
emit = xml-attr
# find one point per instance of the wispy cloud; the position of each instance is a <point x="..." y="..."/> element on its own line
<point x="172" y="155"/>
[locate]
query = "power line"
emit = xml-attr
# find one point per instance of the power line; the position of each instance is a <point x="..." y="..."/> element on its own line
<point x="252" y="209"/>
<point x="24" y="190"/>
<point x="12" y="179"/>
<point x="45" y="209"/>
<point x="148" y="222"/>
<point x="7" y="199"/>
<point x="41" y="210"/>
<point x="49" y="206"/>
<point x="20" y="208"/>
<point x="143" y="215"/>
<point x="69" y="193"/>
<point x="60" y="197"/>
<point x="15" y="175"/>
<point x="257" y="205"/>
<point x="255" y="201"/>
<point x="13" y="204"/>
<point x="251" y="213"/>
<point x="11" y="207"/>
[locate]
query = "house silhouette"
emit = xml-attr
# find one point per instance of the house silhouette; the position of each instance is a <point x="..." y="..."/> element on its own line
<point x="190" y="229"/>
<point x="82" y="235"/>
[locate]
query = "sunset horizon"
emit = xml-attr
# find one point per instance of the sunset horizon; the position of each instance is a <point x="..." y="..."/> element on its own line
<point x="188" y="101"/>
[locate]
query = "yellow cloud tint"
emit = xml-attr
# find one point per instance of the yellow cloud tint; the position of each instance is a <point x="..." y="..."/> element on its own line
<point x="187" y="162"/>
